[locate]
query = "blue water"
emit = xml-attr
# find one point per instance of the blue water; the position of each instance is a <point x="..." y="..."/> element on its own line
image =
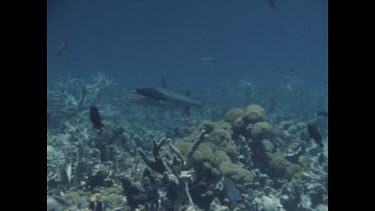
<point x="136" y="41"/>
<point x="275" y="58"/>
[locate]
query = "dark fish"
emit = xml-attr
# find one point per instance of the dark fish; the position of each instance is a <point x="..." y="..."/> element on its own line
<point x="62" y="48"/>
<point x="95" y="118"/>
<point x="231" y="192"/>
<point x="272" y="4"/>
<point x="97" y="205"/>
<point x="315" y="134"/>
<point x="151" y="207"/>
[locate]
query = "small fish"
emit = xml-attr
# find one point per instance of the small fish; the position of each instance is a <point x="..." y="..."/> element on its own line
<point x="289" y="87"/>
<point x="151" y="207"/>
<point x="97" y="205"/>
<point x="209" y="60"/>
<point x="155" y="207"/>
<point x="62" y="48"/>
<point x="246" y="83"/>
<point x="95" y="118"/>
<point x="272" y="4"/>
<point x="315" y="134"/>
<point x="231" y="192"/>
<point x="103" y="206"/>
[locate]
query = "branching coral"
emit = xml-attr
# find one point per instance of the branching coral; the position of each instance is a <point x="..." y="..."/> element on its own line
<point x="71" y="96"/>
<point x="179" y="179"/>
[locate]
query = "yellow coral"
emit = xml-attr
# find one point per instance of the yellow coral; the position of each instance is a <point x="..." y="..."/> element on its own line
<point x="222" y="156"/>
<point x="205" y="153"/>
<point x="283" y="167"/>
<point x="206" y="125"/>
<point x="218" y="136"/>
<point x="183" y="145"/>
<point x="223" y="125"/>
<point x="230" y="149"/>
<point x="254" y="113"/>
<point x="262" y="130"/>
<point x="113" y="198"/>
<point x="235" y="172"/>
<point x="72" y="196"/>
<point x="232" y="114"/>
<point x="267" y="145"/>
<point x="238" y="125"/>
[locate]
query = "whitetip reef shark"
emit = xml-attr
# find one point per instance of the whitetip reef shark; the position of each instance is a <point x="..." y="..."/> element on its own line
<point x="166" y="98"/>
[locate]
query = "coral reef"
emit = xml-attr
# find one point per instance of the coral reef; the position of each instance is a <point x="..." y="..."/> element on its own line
<point x="246" y="159"/>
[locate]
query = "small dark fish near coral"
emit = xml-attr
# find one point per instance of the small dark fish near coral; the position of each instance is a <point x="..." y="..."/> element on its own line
<point x="151" y="207"/>
<point x="97" y="206"/>
<point x="231" y="192"/>
<point x="62" y="48"/>
<point x="95" y="118"/>
<point x="315" y="134"/>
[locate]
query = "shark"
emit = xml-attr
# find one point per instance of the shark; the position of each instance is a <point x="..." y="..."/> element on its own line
<point x="163" y="97"/>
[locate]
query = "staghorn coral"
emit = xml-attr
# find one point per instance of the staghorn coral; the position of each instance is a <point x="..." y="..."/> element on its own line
<point x="177" y="180"/>
<point x="70" y="97"/>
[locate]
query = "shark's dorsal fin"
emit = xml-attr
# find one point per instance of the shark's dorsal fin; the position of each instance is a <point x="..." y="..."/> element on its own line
<point x="188" y="93"/>
<point x="163" y="82"/>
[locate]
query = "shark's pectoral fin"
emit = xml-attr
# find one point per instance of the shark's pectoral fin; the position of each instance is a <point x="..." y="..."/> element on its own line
<point x="187" y="110"/>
